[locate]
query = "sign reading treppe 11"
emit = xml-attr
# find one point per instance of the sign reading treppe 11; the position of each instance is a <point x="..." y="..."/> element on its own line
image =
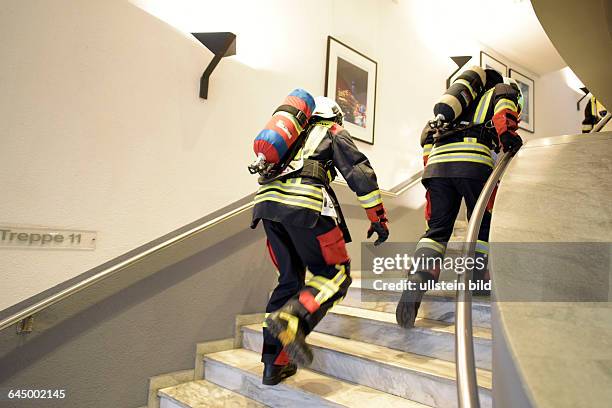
<point x="46" y="238"/>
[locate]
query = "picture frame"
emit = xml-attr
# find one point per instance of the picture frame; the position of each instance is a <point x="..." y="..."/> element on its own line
<point x="489" y="62"/>
<point x="527" y="86"/>
<point x="351" y="80"/>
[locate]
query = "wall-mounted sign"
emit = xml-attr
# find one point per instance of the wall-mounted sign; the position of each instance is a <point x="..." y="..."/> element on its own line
<point x="46" y="238"/>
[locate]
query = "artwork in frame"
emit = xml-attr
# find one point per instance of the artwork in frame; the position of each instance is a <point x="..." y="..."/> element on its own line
<point x="527" y="88"/>
<point x="350" y="80"/>
<point x="488" y="62"/>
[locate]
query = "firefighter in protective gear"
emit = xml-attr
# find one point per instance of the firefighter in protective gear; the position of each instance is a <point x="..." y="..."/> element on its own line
<point x="458" y="160"/>
<point x="594" y="111"/>
<point x="305" y="229"/>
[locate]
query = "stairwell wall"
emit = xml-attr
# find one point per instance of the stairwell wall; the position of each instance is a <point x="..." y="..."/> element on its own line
<point x="104" y="129"/>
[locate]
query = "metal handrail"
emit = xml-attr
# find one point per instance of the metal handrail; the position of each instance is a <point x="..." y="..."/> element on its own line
<point x="112" y="270"/>
<point x="467" y="384"/>
<point x="396" y="191"/>
<point x="599" y="125"/>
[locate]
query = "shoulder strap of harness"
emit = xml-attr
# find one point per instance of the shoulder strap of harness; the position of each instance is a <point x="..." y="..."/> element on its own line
<point x="300" y="116"/>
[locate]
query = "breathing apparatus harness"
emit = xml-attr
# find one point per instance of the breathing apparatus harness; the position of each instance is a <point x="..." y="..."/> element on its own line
<point x="444" y="130"/>
<point x="321" y="173"/>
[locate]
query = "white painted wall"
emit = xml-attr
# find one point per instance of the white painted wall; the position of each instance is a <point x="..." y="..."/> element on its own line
<point x="102" y="127"/>
<point x="556" y="106"/>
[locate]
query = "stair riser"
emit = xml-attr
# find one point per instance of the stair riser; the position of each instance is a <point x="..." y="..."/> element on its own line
<point x="416" y="386"/>
<point x="249" y="385"/>
<point x="440" y="309"/>
<point x="421" y="341"/>
<point x="168" y="403"/>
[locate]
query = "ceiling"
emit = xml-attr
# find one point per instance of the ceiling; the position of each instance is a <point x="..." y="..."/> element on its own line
<point x="509" y="27"/>
<point x="515" y="32"/>
<point x="582" y="31"/>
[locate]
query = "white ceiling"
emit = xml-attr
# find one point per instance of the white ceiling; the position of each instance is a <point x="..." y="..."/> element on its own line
<point x="515" y="32"/>
<point x="509" y="27"/>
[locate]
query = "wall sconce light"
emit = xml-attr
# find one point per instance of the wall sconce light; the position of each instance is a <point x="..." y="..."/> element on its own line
<point x="220" y="44"/>
<point x="460" y="61"/>
<point x="586" y="92"/>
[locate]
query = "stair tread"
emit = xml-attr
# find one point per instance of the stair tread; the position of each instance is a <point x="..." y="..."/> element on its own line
<point x="386" y="317"/>
<point x="204" y="394"/>
<point x="414" y="362"/>
<point x="329" y="388"/>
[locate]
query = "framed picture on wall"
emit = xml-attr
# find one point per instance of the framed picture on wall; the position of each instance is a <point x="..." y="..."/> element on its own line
<point x="350" y="80"/>
<point x="488" y="62"/>
<point x="527" y="88"/>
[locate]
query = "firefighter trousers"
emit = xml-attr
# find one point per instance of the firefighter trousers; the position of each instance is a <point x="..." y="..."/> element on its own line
<point x="444" y="195"/>
<point x="322" y="250"/>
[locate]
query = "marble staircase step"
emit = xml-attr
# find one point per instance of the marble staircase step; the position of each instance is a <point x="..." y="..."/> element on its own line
<point x="435" y="306"/>
<point x="203" y="394"/>
<point x="427" y="380"/>
<point x="429" y="338"/>
<point x="240" y="370"/>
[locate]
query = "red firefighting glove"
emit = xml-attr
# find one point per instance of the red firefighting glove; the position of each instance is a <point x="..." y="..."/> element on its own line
<point x="506" y="124"/>
<point x="378" y="223"/>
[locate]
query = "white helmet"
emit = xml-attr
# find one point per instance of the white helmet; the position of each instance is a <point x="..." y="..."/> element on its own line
<point x="512" y="82"/>
<point x="328" y="109"/>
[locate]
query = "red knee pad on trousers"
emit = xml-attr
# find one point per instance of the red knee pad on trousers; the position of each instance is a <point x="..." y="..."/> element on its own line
<point x="308" y="301"/>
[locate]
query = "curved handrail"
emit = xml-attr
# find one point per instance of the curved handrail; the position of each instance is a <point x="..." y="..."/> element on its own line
<point x="599" y="125"/>
<point x="396" y="191"/>
<point x="111" y="270"/>
<point x="467" y="385"/>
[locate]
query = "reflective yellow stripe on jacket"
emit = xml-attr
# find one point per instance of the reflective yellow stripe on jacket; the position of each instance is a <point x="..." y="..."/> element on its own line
<point x="371" y="199"/>
<point x="505" y="104"/>
<point x="467" y="151"/>
<point x="291" y="192"/>
<point x="427" y="150"/>
<point x="483" y="107"/>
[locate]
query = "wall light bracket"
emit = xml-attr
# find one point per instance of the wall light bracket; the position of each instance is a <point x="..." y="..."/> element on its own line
<point x="460" y="61"/>
<point x="586" y="92"/>
<point x="221" y="44"/>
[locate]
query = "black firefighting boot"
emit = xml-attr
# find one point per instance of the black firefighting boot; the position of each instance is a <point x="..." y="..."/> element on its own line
<point x="408" y="306"/>
<point x="273" y="373"/>
<point x="287" y="327"/>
